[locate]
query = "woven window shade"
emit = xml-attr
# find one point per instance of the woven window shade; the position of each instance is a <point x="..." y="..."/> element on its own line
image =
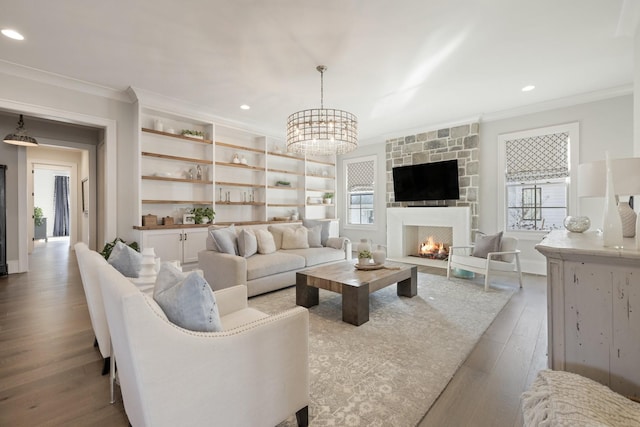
<point x="360" y="176"/>
<point x="538" y="158"/>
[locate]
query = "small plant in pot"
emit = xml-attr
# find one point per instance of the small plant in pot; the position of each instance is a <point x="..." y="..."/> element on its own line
<point x="37" y="216"/>
<point x="327" y="198"/>
<point x="364" y="257"/>
<point x="200" y="213"/>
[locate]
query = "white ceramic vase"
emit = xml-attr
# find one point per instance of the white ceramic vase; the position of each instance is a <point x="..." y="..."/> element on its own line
<point x="628" y="219"/>
<point x="379" y="255"/>
<point x="612" y="226"/>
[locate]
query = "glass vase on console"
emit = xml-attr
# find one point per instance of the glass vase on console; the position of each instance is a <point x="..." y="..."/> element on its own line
<point x="612" y="225"/>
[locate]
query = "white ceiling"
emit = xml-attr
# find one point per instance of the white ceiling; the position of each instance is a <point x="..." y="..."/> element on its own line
<point x="398" y="65"/>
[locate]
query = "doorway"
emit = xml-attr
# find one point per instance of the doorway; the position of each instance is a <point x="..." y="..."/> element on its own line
<point x="51" y="200"/>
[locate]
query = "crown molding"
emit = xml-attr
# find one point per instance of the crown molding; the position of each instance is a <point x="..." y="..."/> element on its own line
<point x="59" y="80"/>
<point x="554" y="104"/>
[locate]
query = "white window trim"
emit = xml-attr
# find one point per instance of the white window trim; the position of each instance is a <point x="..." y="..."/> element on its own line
<point x="376" y="216"/>
<point x="573" y="129"/>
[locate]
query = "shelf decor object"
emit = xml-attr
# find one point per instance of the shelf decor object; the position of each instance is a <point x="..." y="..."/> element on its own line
<point x="612" y="227"/>
<point x="322" y="131"/>
<point x="592" y="182"/>
<point x="20" y="136"/>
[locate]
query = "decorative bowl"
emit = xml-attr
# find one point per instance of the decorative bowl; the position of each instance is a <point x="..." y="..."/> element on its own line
<point x="577" y="224"/>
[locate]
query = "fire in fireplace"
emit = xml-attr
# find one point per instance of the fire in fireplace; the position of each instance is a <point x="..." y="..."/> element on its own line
<point x="433" y="250"/>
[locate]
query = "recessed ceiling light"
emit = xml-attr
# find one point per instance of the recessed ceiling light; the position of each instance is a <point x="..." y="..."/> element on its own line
<point x="528" y="88"/>
<point x="245" y="107"/>
<point x="12" y="34"/>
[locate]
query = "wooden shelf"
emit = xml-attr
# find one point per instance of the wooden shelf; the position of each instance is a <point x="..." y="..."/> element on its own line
<point x="286" y="171"/>
<point x="173" y="135"/>
<point x="285" y="205"/>
<point x="282" y="187"/>
<point x="238" y="147"/>
<point x="321" y="190"/>
<point x="176" y="202"/>
<point x="240" y="165"/>
<point x="164" y="178"/>
<point x="320" y="204"/>
<point x="176" y="158"/>
<point x="286" y="156"/>
<point x="241" y="203"/>
<point x="259" y="222"/>
<point x="168" y="227"/>
<point x="321" y="176"/>
<point x="238" y="184"/>
<point x="321" y="162"/>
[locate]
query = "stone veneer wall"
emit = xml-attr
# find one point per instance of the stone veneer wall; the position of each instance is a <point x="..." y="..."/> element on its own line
<point x="458" y="142"/>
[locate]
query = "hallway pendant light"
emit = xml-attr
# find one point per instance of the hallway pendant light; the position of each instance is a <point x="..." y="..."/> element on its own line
<point x="322" y="131"/>
<point x="20" y="137"/>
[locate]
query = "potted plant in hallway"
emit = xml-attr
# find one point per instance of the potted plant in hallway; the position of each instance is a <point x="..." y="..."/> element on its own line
<point x="39" y="224"/>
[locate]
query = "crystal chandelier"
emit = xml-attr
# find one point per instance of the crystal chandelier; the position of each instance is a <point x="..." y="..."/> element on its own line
<point x="322" y="131"/>
<point x="20" y="137"/>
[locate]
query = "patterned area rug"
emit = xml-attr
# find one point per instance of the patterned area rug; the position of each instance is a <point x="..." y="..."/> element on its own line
<point x="390" y="370"/>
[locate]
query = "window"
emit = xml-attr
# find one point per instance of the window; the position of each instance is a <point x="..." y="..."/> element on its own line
<point x="537" y="177"/>
<point x="360" y="176"/>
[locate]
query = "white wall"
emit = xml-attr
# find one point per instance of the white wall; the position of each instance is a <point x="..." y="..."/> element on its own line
<point x="604" y="125"/>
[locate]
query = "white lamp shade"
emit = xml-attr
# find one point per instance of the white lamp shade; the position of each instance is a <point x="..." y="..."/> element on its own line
<point x="626" y="177"/>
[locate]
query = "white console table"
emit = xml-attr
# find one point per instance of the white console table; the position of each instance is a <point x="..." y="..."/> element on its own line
<point x="593" y="300"/>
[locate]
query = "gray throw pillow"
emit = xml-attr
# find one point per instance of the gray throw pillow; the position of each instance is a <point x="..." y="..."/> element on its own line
<point x="187" y="299"/>
<point x="226" y="240"/>
<point x="315" y="240"/>
<point x="126" y="260"/>
<point x="324" y="233"/>
<point x="247" y="243"/>
<point x="486" y="244"/>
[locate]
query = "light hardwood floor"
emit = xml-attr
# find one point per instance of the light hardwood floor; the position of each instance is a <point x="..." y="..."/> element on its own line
<point x="50" y="371"/>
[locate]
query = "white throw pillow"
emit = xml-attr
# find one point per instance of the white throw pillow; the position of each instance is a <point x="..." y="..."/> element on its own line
<point x="186" y="299"/>
<point x="247" y="243"/>
<point x="295" y="238"/>
<point x="126" y="260"/>
<point x="324" y="234"/>
<point x="278" y="231"/>
<point x="315" y="240"/>
<point x="266" y="244"/>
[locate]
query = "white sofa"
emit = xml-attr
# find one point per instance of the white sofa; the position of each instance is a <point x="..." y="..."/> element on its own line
<point x="263" y="273"/>
<point x="253" y="373"/>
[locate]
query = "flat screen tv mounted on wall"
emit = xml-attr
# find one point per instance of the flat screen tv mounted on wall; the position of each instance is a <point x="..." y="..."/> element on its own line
<point x="426" y="181"/>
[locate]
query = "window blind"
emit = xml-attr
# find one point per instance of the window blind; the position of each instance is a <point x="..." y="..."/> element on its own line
<point x="537" y="158"/>
<point x="360" y="176"/>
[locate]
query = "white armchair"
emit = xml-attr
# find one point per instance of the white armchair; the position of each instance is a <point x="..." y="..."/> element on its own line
<point x="88" y="262"/>
<point x="506" y="260"/>
<point x="254" y="373"/>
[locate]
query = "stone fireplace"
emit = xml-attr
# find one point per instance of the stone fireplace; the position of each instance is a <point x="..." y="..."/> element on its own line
<point x="457" y="142"/>
<point x="408" y="228"/>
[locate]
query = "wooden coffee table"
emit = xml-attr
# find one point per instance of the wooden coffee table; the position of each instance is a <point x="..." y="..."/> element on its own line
<point x="354" y="285"/>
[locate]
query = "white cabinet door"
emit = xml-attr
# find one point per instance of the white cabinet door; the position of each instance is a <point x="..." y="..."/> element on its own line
<point x="194" y="240"/>
<point x="167" y="244"/>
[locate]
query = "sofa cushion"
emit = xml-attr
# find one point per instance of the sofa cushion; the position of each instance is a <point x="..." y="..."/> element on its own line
<point x="266" y="245"/>
<point x="278" y="231"/>
<point x="247" y="243"/>
<point x="315" y="256"/>
<point x="486" y="244"/>
<point x="314" y="235"/>
<point x="324" y="233"/>
<point x="276" y="262"/>
<point x="295" y="238"/>
<point x="226" y="240"/>
<point x="186" y="299"/>
<point x="126" y="260"/>
<point x="463" y="261"/>
<point x="210" y="244"/>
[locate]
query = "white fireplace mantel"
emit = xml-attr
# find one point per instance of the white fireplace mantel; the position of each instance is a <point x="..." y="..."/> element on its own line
<point x="399" y="220"/>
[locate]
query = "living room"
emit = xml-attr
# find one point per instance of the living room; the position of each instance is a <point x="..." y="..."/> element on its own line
<point x="57" y="104"/>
